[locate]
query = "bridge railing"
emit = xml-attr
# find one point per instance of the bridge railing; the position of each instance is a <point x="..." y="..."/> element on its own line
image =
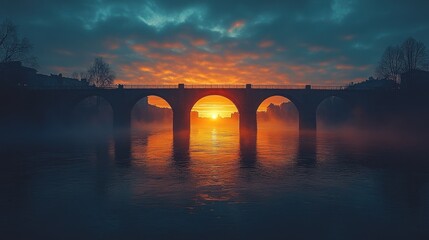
<point x="59" y="87"/>
<point x="147" y="86"/>
<point x="191" y="86"/>
<point x="214" y="86"/>
<point x="329" y="87"/>
<point x="278" y="86"/>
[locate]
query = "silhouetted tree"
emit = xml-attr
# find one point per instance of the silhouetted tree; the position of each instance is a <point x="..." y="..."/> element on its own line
<point x="415" y="54"/>
<point x="12" y="47"/>
<point x="100" y="73"/>
<point x="410" y="55"/>
<point x="392" y="64"/>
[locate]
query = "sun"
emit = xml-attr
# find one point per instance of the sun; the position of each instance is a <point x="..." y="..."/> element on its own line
<point x="214" y="116"/>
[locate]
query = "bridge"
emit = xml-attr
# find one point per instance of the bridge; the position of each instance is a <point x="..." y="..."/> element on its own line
<point x="182" y="98"/>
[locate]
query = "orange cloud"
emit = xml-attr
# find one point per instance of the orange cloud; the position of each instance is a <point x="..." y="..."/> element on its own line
<point x="166" y="45"/>
<point x="224" y="65"/>
<point x="139" y="48"/>
<point x="145" y="69"/>
<point x="351" y="67"/>
<point x="236" y="25"/>
<point x="199" y="42"/>
<point x="201" y="67"/>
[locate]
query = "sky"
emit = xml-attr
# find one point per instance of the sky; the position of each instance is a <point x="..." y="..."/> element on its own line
<point x="218" y="42"/>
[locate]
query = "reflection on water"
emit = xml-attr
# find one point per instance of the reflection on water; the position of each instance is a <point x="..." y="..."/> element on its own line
<point x="214" y="183"/>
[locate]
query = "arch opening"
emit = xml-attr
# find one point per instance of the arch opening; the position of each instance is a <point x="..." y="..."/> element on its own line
<point x="213" y="118"/>
<point x="333" y="113"/>
<point x="151" y="113"/>
<point x="277" y="112"/>
<point x="214" y="129"/>
<point x="93" y="113"/>
<point x="214" y="110"/>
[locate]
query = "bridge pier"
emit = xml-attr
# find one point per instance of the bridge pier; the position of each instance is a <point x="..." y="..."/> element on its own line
<point x="307" y="121"/>
<point x="248" y="124"/>
<point x="182" y="121"/>
<point x="121" y="118"/>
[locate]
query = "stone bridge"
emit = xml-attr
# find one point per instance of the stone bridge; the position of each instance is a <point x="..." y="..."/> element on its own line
<point x="182" y="98"/>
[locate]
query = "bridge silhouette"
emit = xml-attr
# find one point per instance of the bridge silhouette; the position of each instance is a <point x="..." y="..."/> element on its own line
<point x="182" y="98"/>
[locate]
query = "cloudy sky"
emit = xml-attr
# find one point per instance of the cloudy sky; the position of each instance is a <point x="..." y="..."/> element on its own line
<point x="201" y="42"/>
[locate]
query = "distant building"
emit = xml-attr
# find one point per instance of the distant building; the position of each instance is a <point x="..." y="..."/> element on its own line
<point x="415" y="79"/>
<point x="235" y="116"/>
<point x="14" y="74"/>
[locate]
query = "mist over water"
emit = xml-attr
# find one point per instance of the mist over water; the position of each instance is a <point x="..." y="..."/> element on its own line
<point x="214" y="185"/>
<point x="94" y="182"/>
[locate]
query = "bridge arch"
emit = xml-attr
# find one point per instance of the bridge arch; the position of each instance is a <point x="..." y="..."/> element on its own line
<point x="165" y="97"/>
<point x="279" y="110"/>
<point x="333" y="110"/>
<point x="74" y="101"/>
<point x="231" y="95"/>
<point x="151" y="110"/>
<point x="92" y="110"/>
<point x="215" y="106"/>
<point x="261" y="97"/>
<point x="214" y="122"/>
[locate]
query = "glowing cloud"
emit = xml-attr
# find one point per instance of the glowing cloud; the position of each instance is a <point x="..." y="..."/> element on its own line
<point x="236" y="26"/>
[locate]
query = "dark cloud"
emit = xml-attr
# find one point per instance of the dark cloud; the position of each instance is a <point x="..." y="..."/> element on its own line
<point x="307" y="41"/>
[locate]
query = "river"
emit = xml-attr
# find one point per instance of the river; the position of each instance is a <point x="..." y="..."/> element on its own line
<point x="214" y="185"/>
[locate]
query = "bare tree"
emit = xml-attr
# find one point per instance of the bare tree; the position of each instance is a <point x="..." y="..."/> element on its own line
<point x="392" y="64"/>
<point x="410" y="55"/>
<point x="12" y="47"/>
<point x="100" y="73"/>
<point x="415" y="54"/>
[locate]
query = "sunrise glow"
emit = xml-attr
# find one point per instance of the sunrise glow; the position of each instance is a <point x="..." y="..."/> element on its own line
<point x="214" y="107"/>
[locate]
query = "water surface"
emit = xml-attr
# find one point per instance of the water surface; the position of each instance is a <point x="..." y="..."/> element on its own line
<point x="214" y="185"/>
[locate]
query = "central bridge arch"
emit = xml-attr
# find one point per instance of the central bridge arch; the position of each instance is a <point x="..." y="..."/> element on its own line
<point x="234" y="96"/>
<point x="215" y="106"/>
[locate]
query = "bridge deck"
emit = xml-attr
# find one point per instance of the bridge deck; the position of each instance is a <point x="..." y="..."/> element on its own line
<point x="199" y="86"/>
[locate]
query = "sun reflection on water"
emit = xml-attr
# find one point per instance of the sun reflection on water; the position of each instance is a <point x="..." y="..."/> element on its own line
<point x="213" y="161"/>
